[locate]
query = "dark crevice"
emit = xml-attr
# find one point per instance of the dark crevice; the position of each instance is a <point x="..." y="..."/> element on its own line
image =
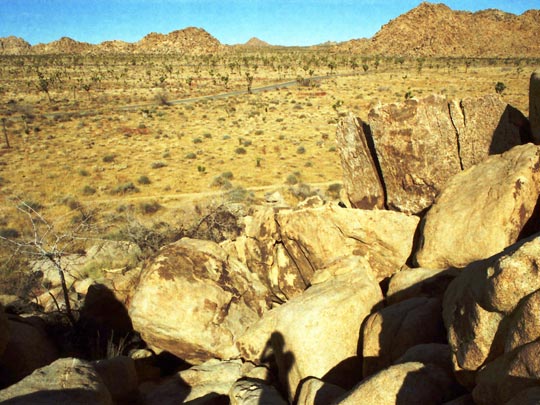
<point x="368" y="136"/>
<point x="458" y="142"/>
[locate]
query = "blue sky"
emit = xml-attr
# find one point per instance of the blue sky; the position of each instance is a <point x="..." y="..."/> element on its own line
<point x="294" y="22"/>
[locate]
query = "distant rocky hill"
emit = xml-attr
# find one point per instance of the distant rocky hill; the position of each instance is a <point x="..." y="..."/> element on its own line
<point x="436" y="30"/>
<point x="191" y="40"/>
<point x="13" y="46"/>
<point x="427" y="30"/>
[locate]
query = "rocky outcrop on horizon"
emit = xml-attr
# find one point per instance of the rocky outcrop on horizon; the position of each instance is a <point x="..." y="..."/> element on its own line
<point x="436" y="30"/>
<point x="425" y="31"/>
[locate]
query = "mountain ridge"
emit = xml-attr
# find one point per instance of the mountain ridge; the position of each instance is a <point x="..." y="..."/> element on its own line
<point x="430" y="29"/>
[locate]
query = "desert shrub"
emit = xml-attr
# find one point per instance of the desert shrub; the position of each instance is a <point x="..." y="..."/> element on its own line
<point x="191" y="155"/>
<point x="332" y="149"/>
<point x="201" y="169"/>
<point x="225" y="137"/>
<point x="143" y="180"/>
<point x="302" y="191"/>
<point x="163" y="99"/>
<point x="334" y="189"/>
<point x="240" y="151"/>
<point x="88" y="190"/>
<point x="9" y="233"/>
<point x="500" y="87"/>
<point x="217" y="224"/>
<point x="222" y="181"/>
<point x="84" y="173"/>
<point x="125" y="188"/>
<point x="227" y="175"/>
<point x="301" y="150"/>
<point x="291" y="179"/>
<point x="149" y="207"/>
<point x="259" y="132"/>
<point x="246" y="142"/>
<point x="197" y="140"/>
<point x="158" y="165"/>
<point x="108" y="158"/>
<point x="207" y="135"/>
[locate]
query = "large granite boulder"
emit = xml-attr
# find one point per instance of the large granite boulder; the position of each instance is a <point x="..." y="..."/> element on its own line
<point x="389" y="332"/>
<point x="404" y="383"/>
<point x="27" y="349"/>
<point x="66" y="381"/>
<point x="361" y="176"/>
<point x="194" y="300"/>
<point x="316" y="333"/>
<point x="487" y="308"/>
<point x="405" y="153"/>
<point x="314" y="238"/>
<point x="482" y="210"/>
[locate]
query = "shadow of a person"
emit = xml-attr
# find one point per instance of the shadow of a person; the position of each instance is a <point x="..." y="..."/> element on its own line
<point x="280" y="360"/>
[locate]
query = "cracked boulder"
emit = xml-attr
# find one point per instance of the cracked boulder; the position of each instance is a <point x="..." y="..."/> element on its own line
<point x="316" y="333"/>
<point x="406" y="152"/>
<point x="293" y="249"/>
<point x="193" y="300"/>
<point x="361" y="175"/>
<point x="490" y="308"/>
<point x="483" y="210"/>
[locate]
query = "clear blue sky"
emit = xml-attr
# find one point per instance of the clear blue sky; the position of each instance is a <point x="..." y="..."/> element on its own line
<point x="293" y="22"/>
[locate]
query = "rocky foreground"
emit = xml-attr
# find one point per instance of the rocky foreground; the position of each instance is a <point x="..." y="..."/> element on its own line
<point x="426" y="290"/>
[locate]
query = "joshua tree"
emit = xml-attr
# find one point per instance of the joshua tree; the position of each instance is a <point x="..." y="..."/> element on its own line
<point x="249" y="80"/>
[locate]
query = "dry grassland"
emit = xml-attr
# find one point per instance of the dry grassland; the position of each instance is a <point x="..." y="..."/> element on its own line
<point x="83" y="148"/>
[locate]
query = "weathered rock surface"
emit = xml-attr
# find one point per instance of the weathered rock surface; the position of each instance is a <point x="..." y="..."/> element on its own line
<point x="314" y="391"/>
<point x="534" y="106"/>
<point x="314" y="238"/>
<point x="316" y="333"/>
<point x="205" y="382"/>
<point x="193" y="300"/>
<point x="529" y="396"/>
<point x="4" y="330"/>
<point x="419" y="282"/>
<point x="389" y="332"/>
<point x="406" y="383"/>
<point x="417" y="150"/>
<point x="288" y="248"/>
<point x="66" y="381"/>
<point x="485" y="126"/>
<point x="486" y="299"/>
<point x="506" y="187"/>
<point x="360" y="173"/>
<point x="508" y="375"/>
<point x="119" y="376"/>
<point x="254" y="392"/>
<point x="403" y="156"/>
<point x="27" y="349"/>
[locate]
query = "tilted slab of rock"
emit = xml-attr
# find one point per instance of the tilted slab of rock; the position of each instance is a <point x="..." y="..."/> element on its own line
<point x="314" y="238"/>
<point x="288" y="248"/>
<point x="485" y="126"/>
<point x="28" y="348"/>
<point x="419" y="282"/>
<point x="316" y="332"/>
<point x="405" y="383"/>
<point x="482" y="210"/>
<point x="193" y="300"/>
<point x="406" y="152"/>
<point x="360" y="173"/>
<point x="416" y="146"/>
<point x="508" y="375"/>
<point x="485" y="310"/>
<point x="66" y="381"/>
<point x="389" y="332"/>
<point x="534" y="106"/>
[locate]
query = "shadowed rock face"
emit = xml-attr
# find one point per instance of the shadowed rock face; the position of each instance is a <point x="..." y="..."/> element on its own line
<point x="534" y="106"/>
<point x="404" y="155"/>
